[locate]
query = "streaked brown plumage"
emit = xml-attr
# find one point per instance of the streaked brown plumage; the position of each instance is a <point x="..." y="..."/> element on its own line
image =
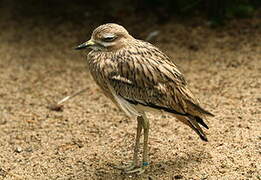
<point x="138" y="77"/>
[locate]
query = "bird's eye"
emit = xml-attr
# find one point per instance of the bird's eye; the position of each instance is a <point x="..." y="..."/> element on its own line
<point x="109" y="38"/>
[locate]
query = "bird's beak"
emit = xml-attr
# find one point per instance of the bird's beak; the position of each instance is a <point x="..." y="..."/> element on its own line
<point x="85" y="45"/>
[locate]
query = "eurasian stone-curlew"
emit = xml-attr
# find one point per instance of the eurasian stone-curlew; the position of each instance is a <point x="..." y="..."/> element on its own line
<point x="138" y="77"/>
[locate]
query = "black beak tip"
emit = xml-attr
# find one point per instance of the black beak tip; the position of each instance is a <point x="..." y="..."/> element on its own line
<point x="82" y="46"/>
<point x="77" y="48"/>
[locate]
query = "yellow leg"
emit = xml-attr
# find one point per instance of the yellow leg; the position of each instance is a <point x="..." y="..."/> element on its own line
<point x="135" y="164"/>
<point x="140" y="170"/>
<point x="137" y="142"/>
<point x="146" y="126"/>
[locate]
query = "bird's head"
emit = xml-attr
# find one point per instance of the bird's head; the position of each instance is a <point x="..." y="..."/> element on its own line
<point x="107" y="37"/>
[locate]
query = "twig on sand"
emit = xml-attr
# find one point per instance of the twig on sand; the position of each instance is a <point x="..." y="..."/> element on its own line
<point x="58" y="105"/>
<point x="71" y="96"/>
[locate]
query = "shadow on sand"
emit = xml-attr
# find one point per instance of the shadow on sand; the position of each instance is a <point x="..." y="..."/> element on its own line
<point x="173" y="168"/>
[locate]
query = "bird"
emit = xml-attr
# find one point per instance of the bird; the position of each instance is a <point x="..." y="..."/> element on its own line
<point x="139" y="78"/>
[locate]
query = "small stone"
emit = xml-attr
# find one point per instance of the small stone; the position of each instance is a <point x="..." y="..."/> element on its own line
<point x="55" y="107"/>
<point x="178" y="177"/>
<point x="29" y="149"/>
<point x="18" y="149"/>
<point x="151" y="178"/>
<point x="3" y="121"/>
<point x="3" y="173"/>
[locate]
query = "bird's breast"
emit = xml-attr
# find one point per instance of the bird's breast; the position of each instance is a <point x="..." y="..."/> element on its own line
<point x="100" y="67"/>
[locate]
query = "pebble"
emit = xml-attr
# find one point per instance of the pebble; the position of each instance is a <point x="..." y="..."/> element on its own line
<point x="178" y="177"/>
<point x="18" y="149"/>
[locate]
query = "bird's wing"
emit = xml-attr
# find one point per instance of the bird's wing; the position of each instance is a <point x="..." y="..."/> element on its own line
<point x="146" y="76"/>
<point x="124" y="104"/>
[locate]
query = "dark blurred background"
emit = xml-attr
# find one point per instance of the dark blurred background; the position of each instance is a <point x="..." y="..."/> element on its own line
<point x="155" y="11"/>
<point x="214" y="9"/>
<point x="135" y="15"/>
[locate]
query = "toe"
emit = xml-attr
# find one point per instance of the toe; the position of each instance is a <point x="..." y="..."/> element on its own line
<point x="139" y="170"/>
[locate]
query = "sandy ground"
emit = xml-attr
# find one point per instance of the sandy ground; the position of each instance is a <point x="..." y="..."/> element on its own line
<point x="38" y="67"/>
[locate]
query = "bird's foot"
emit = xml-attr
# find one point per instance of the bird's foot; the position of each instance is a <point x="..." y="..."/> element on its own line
<point x="132" y="168"/>
<point x="135" y="170"/>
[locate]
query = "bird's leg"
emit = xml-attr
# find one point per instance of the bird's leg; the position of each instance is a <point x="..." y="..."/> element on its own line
<point x="137" y="141"/>
<point x="139" y="170"/>
<point x="146" y="126"/>
<point x="134" y="164"/>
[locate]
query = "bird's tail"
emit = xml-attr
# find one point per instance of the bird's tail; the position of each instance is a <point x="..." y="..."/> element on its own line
<point x="193" y="113"/>
<point x="197" y="109"/>
<point x="193" y="123"/>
